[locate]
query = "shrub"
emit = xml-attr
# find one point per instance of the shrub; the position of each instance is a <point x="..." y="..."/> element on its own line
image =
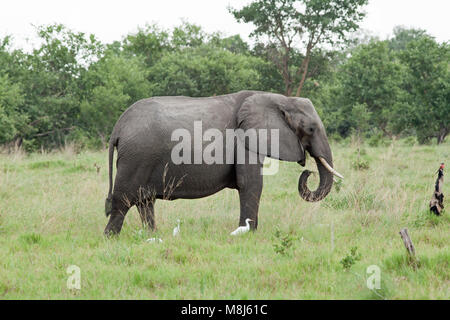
<point x="360" y="164"/>
<point x="410" y="141"/>
<point x="283" y="242"/>
<point x="351" y="258"/>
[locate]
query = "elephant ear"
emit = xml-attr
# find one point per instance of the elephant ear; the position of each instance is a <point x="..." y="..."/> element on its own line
<point x="269" y="112"/>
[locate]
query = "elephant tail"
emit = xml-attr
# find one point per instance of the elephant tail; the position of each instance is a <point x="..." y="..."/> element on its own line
<point x="108" y="202"/>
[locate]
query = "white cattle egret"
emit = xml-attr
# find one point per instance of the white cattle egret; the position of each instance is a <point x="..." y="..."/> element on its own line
<point x="153" y="240"/>
<point x="242" y="229"/>
<point x="176" y="230"/>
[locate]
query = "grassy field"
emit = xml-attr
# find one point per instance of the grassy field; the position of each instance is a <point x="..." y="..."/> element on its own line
<point x="52" y="216"/>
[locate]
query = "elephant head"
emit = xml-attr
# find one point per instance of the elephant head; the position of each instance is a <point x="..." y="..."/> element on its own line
<point x="300" y="129"/>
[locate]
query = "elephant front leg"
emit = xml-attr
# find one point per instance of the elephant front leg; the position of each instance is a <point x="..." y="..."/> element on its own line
<point x="147" y="214"/>
<point x="250" y="182"/>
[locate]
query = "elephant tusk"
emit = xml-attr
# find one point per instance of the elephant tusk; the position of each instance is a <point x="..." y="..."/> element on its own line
<point x="329" y="168"/>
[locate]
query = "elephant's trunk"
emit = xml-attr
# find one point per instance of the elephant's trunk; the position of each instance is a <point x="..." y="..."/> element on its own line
<point x="326" y="182"/>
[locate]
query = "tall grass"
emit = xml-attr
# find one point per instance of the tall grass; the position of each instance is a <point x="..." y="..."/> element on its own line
<point x="52" y="216"/>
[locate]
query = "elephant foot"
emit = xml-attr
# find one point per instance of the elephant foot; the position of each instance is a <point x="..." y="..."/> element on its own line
<point x="109" y="232"/>
<point x="114" y="225"/>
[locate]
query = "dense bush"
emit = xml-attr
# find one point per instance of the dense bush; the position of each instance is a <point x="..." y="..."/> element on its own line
<point x="205" y="71"/>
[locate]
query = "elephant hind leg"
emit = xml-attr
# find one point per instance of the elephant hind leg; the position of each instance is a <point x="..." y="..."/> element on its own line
<point x="127" y="193"/>
<point x="119" y="209"/>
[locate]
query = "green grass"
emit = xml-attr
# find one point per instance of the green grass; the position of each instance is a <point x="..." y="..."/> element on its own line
<point x="52" y="216"/>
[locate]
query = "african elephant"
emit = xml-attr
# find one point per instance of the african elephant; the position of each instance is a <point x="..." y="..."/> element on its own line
<point x="146" y="170"/>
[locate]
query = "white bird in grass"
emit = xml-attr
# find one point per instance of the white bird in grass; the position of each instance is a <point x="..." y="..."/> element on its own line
<point x="153" y="240"/>
<point x="176" y="230"/>
<point x="242" y="229"/>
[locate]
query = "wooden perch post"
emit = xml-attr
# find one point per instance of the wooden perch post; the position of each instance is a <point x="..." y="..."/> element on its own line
<point x="408" y="243"/>
<point x="437" y="200"/>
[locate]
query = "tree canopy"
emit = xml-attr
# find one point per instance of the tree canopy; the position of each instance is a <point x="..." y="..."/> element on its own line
<point x="72" y="87"/>
<point x="292" y="25"/>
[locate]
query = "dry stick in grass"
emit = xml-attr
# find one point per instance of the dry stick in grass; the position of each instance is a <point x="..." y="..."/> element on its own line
<point x="437" y="200"/>
<point x="409" y="246"/>
<point x="407" y="241"/>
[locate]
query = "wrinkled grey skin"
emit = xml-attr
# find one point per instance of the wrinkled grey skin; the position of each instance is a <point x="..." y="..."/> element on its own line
<point x="142" y="137"/>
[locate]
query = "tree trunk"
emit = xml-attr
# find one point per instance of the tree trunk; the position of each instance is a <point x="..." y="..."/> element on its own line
<point x="441" y="136"/>
<point x="304" y="69"/>
<point x="305" y="72"/>
<point x="289" y="91"/>
<point x="286" y="76"/>
<point x="102" y="137"/>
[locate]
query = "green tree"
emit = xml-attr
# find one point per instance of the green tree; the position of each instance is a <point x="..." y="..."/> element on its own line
<point x="111" y="85"/>
<point x="12" y="120"/>
<point x="149" y="42"/>
<point x="50" y="80"/>
<point x="187" y="35"/>
<point x="371" y="77"/>
<point x="204" y="71"/>
<point x="403" y="36"/>
<point x="284" y="24"/>
<point x="7" y="65"/>
<point x="426" y="89"/>
<point x="234" y="44"/>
